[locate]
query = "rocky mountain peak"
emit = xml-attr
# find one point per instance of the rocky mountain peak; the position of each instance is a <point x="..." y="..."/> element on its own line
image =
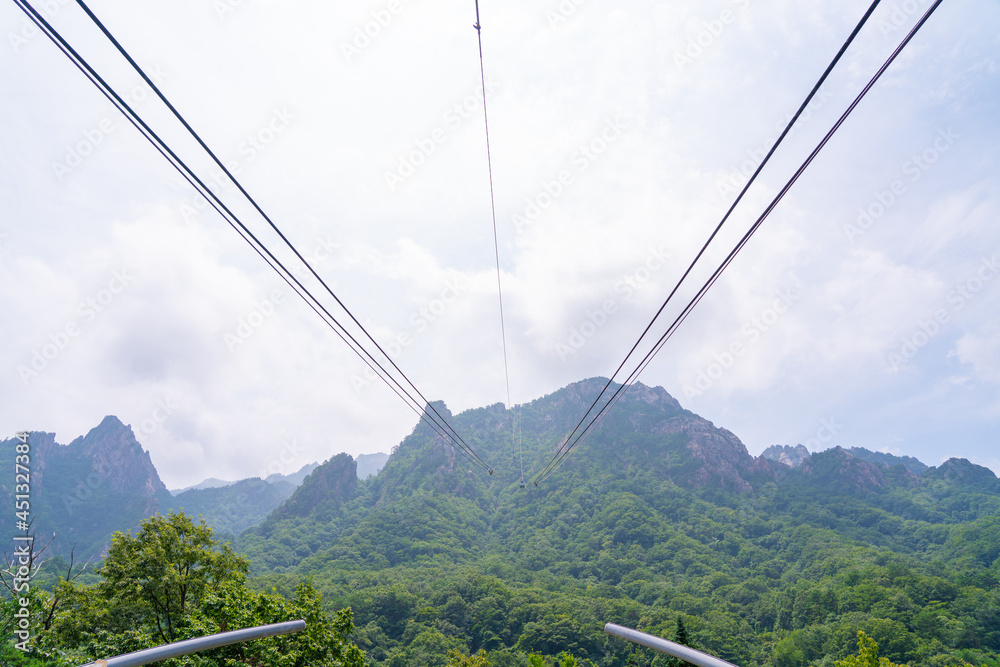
<point x="118" y="459"/>
<point x="723" y="460"/>
<point x="967" y="473"/>
<point x="793" y="457"/>
<point x="839" y="469"/>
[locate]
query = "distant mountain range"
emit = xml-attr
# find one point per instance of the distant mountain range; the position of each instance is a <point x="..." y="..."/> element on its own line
<point x="104" y="481"/>
<point x="81" y="493"/>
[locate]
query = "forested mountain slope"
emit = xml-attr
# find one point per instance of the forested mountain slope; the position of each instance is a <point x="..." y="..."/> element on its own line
<point x="659" y="514"/>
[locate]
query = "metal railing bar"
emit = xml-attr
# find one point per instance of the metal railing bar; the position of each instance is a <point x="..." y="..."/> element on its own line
<point x="177" y="649"/>
<point x="685" y="653"/>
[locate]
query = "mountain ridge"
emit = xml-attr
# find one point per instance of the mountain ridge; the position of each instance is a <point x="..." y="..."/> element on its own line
<point x="649" y="433"/>
<point x="108" y="467"/>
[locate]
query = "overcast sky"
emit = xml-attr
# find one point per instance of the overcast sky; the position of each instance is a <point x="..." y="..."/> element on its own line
<point x="864" y="312"/>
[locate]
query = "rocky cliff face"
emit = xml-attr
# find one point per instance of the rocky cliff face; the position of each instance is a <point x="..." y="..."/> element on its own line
<point x="722" y="458"/>
<point x="840" y="470"/>
<point x="790" y="456"/>
<point x="120" y="461"/>
<point x="84" y="491"/>
<point x="688" y="449"/>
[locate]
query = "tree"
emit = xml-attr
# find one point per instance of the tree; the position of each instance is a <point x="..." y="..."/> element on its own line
<point x="167" y="569"/>
<point x="323" y="643"/>
<point x="681" y="633"/>
<point x="458" y="659"/>
<point x="867" y="655"/>
<point x="172" y="582"/>
<point x="680" y="637"/>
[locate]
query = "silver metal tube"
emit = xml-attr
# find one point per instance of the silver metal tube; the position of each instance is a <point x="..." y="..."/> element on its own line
<point x="685" y="653"/>
<point x="187" y="646"/>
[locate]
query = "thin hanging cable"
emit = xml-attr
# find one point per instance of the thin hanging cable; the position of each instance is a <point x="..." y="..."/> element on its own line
<point x="732" y="207"/>
<point x="216" y="203"/>
<point x="520" y="440"/>
<point x="189" y="175"/>
<point x="428" y="405"/>
<point x="493" y="210"/>
<point x="564" y="450"/>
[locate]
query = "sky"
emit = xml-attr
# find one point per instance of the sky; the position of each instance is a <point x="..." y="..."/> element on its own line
<point x="863" y="312"/>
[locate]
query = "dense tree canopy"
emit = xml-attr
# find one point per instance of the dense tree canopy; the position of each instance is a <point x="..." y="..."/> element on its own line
<point x="173" y="581"/>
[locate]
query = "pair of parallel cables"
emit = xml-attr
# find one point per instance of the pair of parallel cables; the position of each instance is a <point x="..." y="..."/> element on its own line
<point x="585" y="427"/>
<point x="394" y="377"/>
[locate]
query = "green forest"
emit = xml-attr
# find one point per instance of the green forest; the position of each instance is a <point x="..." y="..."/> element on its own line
<point x="659" y="522"/>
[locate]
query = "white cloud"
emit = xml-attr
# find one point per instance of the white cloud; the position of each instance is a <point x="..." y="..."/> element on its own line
<point x="657" y="186"/>
<point x="981" y="350"/>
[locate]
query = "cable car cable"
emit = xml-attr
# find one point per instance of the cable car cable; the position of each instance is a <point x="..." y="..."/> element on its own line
<point x="567" y="446"/>
<point x="203" y="189"/>
<point x="729" y="212"/>
<point x="270" y="222"/>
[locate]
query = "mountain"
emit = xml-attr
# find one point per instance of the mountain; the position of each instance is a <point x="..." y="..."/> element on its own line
<point x="797" y="455"/>
<point x="233" y="508"/>
<point x="104" y="482"/>
<point x="790" y="456"/>
<point x="210" y="483"/>
<point x="84" y="491"/>
<point x="647" y="437"/>
<point x="368" y="464"/>
<point x="913" y="465"/>
<point x="294" y="478"/>
<point x="659" y="514"/>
